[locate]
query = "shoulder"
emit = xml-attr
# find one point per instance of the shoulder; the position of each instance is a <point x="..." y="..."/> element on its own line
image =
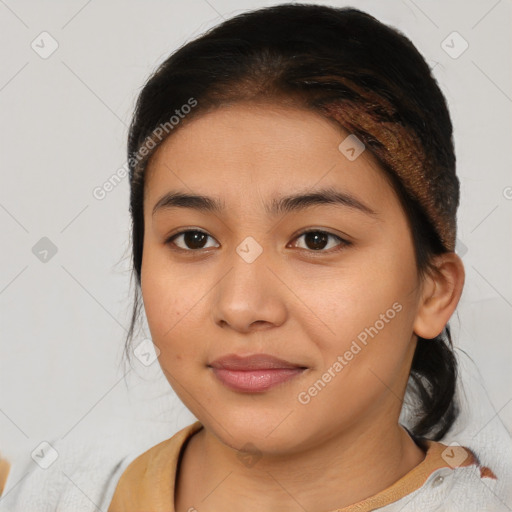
<point x="148" y="476"/>
<point x="458" y="480"/>
<point x="456" y="456"/>
<point x="79" y="474"/>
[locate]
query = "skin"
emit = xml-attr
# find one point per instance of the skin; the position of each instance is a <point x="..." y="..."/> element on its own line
<point x="294" y="302"/>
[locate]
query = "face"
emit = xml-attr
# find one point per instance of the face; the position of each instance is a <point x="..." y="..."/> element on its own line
<point x="329" y="287"/>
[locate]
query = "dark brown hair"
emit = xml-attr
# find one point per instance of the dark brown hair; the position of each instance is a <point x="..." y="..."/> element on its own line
<point x="341" y="63"/>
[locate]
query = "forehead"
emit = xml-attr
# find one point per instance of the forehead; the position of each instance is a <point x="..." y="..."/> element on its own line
<point x="241" y="150"/>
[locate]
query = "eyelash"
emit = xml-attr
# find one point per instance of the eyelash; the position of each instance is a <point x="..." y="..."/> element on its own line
<point x="343" y="243"/>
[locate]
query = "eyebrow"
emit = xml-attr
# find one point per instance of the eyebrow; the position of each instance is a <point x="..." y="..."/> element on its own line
<point x="282" y="205"/>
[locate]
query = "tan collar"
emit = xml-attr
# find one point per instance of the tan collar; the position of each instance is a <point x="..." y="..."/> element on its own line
<point x="5" y="467"/>
<point x="148" y="482"/>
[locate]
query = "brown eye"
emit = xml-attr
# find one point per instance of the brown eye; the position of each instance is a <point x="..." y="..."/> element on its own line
<point x="317" y="240"/>
<point x="190" y="240"/>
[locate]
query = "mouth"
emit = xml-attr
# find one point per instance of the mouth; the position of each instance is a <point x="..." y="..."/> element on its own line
<point x="255" y="373"/>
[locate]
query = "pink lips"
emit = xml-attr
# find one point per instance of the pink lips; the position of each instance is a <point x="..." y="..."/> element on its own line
<point x="252" y="374"/>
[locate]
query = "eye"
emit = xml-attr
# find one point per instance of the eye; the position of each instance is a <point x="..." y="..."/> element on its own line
<point x="193" y="239"/>
<point x="316" y="240"/>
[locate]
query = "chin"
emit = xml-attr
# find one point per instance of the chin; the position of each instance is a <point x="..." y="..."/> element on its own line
<point x="253" y="431"/>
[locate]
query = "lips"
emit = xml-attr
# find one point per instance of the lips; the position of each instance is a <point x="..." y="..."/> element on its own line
<point x="253" y="362"/>
<point x="255" y="373"/>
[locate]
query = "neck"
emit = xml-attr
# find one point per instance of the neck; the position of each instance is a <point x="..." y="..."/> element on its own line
<point x="341" y="471"/>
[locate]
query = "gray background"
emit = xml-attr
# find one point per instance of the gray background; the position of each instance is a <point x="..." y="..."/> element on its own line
<point x="63" y="127"/>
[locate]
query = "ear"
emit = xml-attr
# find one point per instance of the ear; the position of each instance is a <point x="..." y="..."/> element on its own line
<point x="440" y="295"/>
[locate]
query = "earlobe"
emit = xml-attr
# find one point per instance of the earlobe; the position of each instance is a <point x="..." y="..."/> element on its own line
<point x="441" y="294"/>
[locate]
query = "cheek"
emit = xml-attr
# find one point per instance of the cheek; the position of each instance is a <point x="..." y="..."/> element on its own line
<point x="346" y="302"/>
<point x="364" y="364"/>
<point x="367" y="313"/>
<point x="171" y="307"/>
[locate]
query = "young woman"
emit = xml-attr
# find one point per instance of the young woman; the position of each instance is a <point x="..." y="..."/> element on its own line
<point x="294" y="198"/>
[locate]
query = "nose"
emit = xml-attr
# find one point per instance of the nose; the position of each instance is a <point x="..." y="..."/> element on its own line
<point x="249" y="297"/>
